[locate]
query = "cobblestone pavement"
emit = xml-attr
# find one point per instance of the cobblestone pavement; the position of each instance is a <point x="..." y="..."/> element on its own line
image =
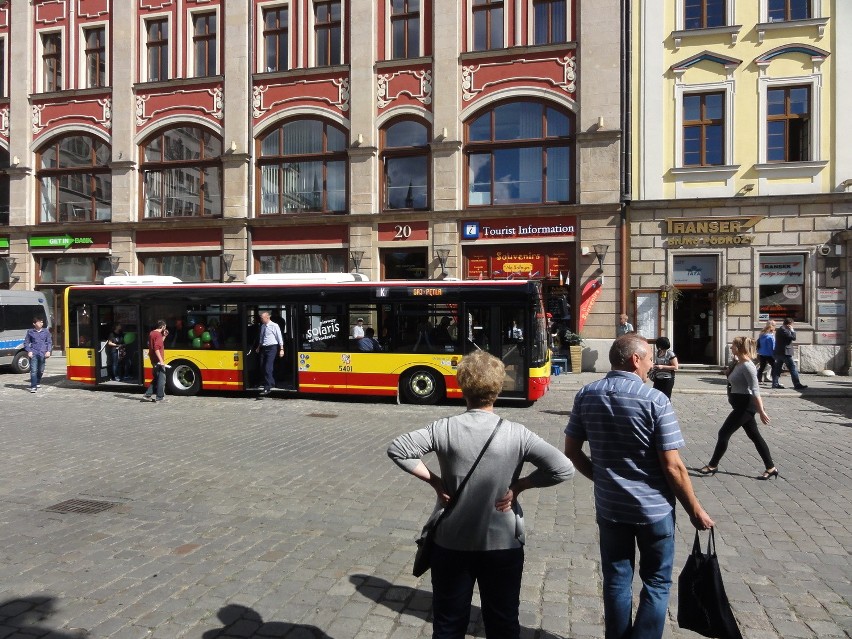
<point x="283" y="517"/>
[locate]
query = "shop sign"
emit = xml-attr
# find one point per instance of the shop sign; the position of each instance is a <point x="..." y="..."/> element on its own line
<point x="402" y="231"/>
<point x="515" y="228"/>
<point x="832" y="308"/>
<point x="829" y="337"/>
<point x="781" y="269"/>
<point x="694" y="270"/>
<point x="4" y="242"/>
<point x="823" y="294"/>
<point x="710" y="231"/>
<point x="831" y="323"/>
<point x="59" y="241"/>
<point x="496" y="263"/>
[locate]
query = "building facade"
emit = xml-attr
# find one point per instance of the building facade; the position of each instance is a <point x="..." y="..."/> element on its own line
<point x="741" y="174"/>
<point x="405" y="139"/>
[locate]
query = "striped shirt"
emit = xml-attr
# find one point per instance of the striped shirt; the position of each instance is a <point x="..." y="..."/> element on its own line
<point x="626" y="423"/>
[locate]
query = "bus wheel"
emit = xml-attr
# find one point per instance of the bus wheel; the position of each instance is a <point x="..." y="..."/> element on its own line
<point x="21" y="363"/>
<point x="422" y="386"/>
<point x="183" y="378"/>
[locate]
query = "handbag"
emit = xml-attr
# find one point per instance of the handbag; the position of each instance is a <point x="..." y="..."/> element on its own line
<point x="426" y="542"/>
<point x="702" y="605"/>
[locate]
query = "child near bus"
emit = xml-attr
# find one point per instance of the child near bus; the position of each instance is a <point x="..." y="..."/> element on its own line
<point x="38" y="345"/>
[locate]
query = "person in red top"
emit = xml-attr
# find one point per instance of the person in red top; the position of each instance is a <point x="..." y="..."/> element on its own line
<point x="157" y="353"/>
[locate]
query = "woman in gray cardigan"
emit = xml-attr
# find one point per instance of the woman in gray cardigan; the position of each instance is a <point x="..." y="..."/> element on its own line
<point x="744" y="398"/>
<point x="481" y="539"/>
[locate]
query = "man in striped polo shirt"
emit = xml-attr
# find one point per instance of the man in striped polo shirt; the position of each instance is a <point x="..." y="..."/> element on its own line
<point x="634" y="438"/>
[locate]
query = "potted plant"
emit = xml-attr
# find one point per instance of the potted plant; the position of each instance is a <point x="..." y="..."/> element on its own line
<point x="728" y="294"/>
<point x="575" y="348"/>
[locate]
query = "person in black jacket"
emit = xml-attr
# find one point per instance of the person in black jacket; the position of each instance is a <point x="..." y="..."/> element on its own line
<point x="784" y="338"/>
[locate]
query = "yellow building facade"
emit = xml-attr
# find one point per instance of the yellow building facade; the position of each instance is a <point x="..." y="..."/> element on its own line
<point x="741" y="174"/>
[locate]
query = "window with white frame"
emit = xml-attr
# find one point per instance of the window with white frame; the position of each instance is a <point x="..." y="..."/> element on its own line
<point x="788" y="124"/>
<point x="157" y="49"/>
<point x="550" y="18"/>
<point x="276" y="38"/>
<point x="786" y="10"/>
<point x="94" y="42"/>
<point x="405" y="20"/>
<point x="328" y="21"/>
<point x="487" y="20"/>
<point x="51" y="61"/>
<point x="703" y="14"/>
<point x="205" y="43"/>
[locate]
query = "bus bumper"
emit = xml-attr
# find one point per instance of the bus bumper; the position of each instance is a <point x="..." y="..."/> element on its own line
<point x="538" y="387"/>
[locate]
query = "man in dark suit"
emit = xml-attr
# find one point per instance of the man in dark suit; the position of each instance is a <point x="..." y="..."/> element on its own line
<point x="784" y="338"/>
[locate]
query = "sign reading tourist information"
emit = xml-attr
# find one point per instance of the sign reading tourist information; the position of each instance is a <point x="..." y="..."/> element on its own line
<point x="710" y="231"/>
<point x="59" y="241"/>
<point x="514" y="228"/>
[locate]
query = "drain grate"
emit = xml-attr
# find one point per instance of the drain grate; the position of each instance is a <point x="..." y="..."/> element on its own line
<point x="82" y="506"/>
<point x="325" y="415"/>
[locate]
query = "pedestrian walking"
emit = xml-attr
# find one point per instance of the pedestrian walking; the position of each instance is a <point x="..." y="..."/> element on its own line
<point x="634" y="438"/>
<point x="157" y="355"/>
<point x="785" y="335"/>
<point x="665" y="365"/>
<point x="744" y="398"/>
<point x="270" y="344"/>
<point x="766" y="350"/>
<point x="481" y="539"/>
<point x="38" y="345"/>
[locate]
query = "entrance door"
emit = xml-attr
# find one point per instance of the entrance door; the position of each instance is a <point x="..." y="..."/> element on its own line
<point x="501" y="332"/>
<point x="120" y="364"/>
<point x="284" y="369"/>
<point x="694" y="326"/>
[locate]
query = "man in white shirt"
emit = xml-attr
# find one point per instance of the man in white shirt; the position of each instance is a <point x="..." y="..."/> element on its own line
<point x="358" y="329"/>
<point x="269" y="343"/>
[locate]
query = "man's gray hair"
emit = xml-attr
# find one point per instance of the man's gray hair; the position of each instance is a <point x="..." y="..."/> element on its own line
<point x="623" y="349"/>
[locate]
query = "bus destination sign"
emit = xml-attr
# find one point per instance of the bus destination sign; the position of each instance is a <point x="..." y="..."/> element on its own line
<point x="426" y="292"/>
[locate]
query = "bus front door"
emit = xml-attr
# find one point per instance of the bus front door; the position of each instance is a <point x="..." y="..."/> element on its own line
<point x="118" y="324"/>
<point x="500" y="331"/>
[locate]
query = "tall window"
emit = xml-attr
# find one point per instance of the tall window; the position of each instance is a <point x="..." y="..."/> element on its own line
<point x="784" y="10"/>
<point x="704" y="129"/>
<point x="487" y="25"/>
<point x="51" y="57"/>
<point x="703" y="14"/>
<point x="75" y="183"/>
<point x="204" y="47"/>
<point x="182" y="174"/>
<point x="405" y="157"/>
<point x="95" y="57"/>
<point x="303" y="167"/>
<point x="781" y="286"/>
<point x="158" y="50"/>
<point x="788" y="124"/>
<point x="327" y="27"/>
<point x="550" y="21"/>
<point x="405" y="28"/>
<point x="4" y="186"/>
<point x="520" y="153"/>
<point x="2" y="68"/>
<point x="275" y="39"/>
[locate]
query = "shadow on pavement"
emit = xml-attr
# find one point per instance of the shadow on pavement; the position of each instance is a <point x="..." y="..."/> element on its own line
<point x="240" y="622"/>
<point x="418" y="603"/>
<point x="23" y="615"/>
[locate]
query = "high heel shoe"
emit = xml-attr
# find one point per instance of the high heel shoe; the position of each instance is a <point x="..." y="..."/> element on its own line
<point x="708" y="470"/>
<point x="768" y="474"/>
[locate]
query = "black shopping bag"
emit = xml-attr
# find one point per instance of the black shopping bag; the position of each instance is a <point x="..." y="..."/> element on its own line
<point x="702" y="605"/>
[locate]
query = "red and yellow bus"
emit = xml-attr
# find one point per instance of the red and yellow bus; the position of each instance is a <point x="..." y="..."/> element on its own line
<point x="421" y="332"/>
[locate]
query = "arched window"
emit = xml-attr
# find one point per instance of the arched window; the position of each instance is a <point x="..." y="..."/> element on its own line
<point x="520" y="152"/>
<point x="405" y="157"/>
<point x="182" y="174"/>
<point x="303" y="168"/>
<point x="75" y="183"/>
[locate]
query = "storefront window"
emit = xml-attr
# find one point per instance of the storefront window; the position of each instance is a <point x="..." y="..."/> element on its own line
<point x="404" y="265"/>
<point x="781" y="287"/>
<point x="520" y="153"/>
<point x="301" y="263"/>
<point x="74" y="270"/>
<point x="187" y="268"/>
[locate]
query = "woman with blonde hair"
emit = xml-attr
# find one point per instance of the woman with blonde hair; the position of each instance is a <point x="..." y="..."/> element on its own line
<point x="480" y="537"/>
<point x="744" y="398"/>
<point x="765" y="348"/>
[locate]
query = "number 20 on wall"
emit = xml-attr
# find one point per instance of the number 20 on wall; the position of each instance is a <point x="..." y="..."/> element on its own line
<point x="401" y="232"/>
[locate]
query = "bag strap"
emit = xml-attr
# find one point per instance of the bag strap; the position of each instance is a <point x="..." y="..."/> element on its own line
<point x="711" y="544"/>
<point x="455" y="498"/>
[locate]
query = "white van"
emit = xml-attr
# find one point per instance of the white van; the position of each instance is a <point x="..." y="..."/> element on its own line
<point x="17" y="310"/>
